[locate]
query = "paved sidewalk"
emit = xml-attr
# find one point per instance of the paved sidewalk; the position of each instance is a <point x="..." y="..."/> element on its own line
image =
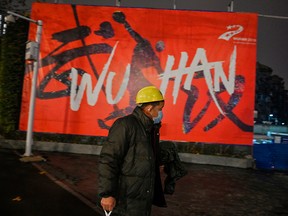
<point x="206" y="190"/>
<point x="27" y="191"/>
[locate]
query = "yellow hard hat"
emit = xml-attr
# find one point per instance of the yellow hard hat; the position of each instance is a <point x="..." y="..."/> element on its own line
<point x="149" y="94"/>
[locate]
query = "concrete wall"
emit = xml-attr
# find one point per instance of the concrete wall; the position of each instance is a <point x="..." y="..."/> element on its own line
<point x="19" y="145"/>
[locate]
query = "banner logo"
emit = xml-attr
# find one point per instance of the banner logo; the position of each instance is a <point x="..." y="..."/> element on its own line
<point x="233" y="30"/>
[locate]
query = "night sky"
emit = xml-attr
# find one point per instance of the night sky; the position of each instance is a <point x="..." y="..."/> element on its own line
<point x="272" y="49"/>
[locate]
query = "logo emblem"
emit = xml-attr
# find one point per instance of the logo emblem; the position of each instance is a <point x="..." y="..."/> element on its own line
<point x="232" y="30"/>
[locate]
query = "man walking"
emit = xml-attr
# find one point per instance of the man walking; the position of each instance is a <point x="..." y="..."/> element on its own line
<point x="129" y="177"/>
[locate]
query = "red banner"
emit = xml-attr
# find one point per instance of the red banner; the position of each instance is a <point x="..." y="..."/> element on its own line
<point x="94" y="59"/>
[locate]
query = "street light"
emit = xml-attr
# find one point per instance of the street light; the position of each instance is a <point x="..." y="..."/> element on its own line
<point x="270" y="117"/>
<point x="35" y="50"/>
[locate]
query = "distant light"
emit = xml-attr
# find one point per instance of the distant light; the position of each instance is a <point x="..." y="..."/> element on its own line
<point x="283" y="123"/>
<point x="271" y="115"/>
<point x="9" y="18"/>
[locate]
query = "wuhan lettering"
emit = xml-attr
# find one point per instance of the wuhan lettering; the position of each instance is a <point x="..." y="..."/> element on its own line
<point x="199" y="64"/>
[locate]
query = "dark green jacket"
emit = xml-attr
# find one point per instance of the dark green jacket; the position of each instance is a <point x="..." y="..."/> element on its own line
<point x="127" y="167"/>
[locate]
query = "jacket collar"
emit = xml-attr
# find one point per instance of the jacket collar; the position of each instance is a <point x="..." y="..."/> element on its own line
<point x="145" y="120"/>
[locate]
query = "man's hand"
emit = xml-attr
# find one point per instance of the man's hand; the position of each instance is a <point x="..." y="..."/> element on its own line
<point x="108" y="203"/>
<point x="161" y="168"/>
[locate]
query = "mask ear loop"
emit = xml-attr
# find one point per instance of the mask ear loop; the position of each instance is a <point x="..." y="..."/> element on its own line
<point x="107" y="213"/>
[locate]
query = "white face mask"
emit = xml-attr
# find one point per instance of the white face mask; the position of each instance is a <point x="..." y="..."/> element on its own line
<point x="158" y="119"/>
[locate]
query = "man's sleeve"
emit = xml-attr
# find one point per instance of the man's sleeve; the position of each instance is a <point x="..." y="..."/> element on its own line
<point x="111" y="158"/>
